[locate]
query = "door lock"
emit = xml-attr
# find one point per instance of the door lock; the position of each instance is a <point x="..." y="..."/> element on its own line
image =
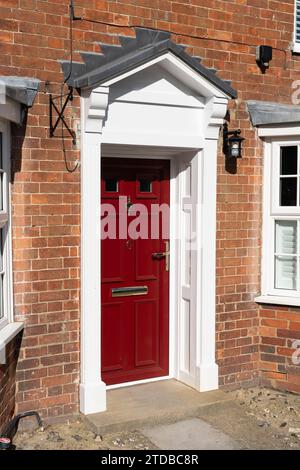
<point x="163" y="255"/>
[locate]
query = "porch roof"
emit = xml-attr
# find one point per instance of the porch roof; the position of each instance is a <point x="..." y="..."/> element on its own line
<point x="132" y="52"/>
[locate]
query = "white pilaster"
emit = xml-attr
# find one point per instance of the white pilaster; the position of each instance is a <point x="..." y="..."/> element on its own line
<point x="207" y="369"/>
<point x="92" y="389"/>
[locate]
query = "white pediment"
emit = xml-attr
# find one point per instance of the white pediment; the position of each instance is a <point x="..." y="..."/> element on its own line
<point x="157" y="86"/>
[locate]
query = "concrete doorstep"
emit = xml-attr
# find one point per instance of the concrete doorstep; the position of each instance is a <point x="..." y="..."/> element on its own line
<point x="151" y="404"/>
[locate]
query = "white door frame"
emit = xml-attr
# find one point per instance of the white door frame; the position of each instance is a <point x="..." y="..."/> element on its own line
<point x="94" y="106"/>
<point x="138" y="153"/>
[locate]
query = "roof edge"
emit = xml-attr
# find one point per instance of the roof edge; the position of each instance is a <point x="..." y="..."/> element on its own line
<point x="263" y="113"/>
<point x="23" y="90"/>
<point x="131" y="53"/>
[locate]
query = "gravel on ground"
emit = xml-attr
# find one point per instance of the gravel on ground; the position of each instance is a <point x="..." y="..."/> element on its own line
<point x="275" y="413"/>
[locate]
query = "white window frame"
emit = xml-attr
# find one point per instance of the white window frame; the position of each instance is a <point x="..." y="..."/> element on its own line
<point x="296" y="43"/>
<point x="5" y="227"/>
<point x="272" y="211"/>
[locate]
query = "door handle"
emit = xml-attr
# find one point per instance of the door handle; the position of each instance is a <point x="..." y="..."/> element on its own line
<point x="161" y="255"/>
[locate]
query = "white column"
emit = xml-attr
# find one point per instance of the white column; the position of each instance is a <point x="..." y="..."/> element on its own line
<point x="206" y="268"/>
<point x="92" y="388"/>
<point x="207" y="369"/>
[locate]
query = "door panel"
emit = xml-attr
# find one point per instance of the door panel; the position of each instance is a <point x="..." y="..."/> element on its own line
<point x="135" y="325"/>
<point x="112" y="320"/>
<point x="147" y="324"/>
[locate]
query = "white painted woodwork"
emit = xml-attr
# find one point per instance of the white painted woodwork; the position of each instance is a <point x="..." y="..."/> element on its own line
<point x="162" y="109"/>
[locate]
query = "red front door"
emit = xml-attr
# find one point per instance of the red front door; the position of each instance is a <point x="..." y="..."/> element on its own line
<point x="135" y="271"/>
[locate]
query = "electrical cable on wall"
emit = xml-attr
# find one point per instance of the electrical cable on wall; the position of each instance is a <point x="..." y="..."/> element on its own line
<point x="53" y="108"/>
<point x="132" y="26"/>
<point x="70" y="170"/>
<point x="69" y="95"/>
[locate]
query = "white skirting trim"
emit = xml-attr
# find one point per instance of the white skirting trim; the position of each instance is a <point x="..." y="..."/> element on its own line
<point x="92" y="398"/>
<point x="208" y="377"/>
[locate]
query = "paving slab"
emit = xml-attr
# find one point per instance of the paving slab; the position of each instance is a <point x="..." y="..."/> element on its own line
<point x="166" y="401"/>
<point x="192" y="434"/>
<point x="231" y="418"/>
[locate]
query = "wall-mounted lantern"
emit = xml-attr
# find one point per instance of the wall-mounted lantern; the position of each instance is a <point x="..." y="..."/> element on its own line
<point x="232" y="142"/>
<point x="264" y="55"/>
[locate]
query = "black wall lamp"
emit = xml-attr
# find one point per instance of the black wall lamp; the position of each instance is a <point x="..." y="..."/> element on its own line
<point x="264" y="55"/>
<point x="232" y="142"/>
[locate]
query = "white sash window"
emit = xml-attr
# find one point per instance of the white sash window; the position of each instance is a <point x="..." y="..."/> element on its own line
<point x="281" y="237"/>
<point x="297" y="27"/>
<point x="5" y="252"/>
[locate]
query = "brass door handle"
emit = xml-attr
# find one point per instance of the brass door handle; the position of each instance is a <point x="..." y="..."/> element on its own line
<point x="158" y="255"/>
<point x="161" y="255"/>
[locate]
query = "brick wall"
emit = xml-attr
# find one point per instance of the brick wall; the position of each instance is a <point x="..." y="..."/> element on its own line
<point x="46" y="206"/>
<point x="33" y="37"/>
<point x="279" y="331"/>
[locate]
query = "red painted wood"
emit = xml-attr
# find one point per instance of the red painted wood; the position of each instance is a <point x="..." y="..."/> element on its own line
<point x="135" y="329"/>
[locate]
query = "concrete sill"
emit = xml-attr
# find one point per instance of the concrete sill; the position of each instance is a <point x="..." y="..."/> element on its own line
<point x="274" y="300"/>
<point x="6" y="335"/>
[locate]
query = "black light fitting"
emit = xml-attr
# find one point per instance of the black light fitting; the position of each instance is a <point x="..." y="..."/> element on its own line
<point x="264" y="55"/>
<point x="232" y="142"/>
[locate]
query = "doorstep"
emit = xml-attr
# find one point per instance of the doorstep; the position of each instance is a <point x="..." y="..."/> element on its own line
<point x="167" y="401"/>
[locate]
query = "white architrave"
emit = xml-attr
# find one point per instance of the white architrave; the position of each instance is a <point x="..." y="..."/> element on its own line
<point x="141" y="117"/>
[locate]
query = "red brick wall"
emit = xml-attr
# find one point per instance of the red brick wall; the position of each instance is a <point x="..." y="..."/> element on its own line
<point x="279" y="330"/>
<point x="33" y="37"/>
<point x="46" y="206"/>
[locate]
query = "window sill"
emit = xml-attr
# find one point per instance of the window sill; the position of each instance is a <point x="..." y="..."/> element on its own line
<point x="7" y="334"/>
<point x="296" y="48"/>
<point x="278" y="300"/>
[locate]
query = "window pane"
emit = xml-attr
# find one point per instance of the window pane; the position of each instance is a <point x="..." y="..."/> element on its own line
<point x="1" y="297"/>
<point x="288" y="191"/>
<point x="1" y="159"/>
<point x="1" y="191"/>
<point x="145" y="185"/>
<point x="289" y="160"/>
<point x="1" y="278"/>
<point x="1" y="174"/>
<point x="111" y="185"/>
<point x="286" y="272"/>
<point x="286" y="237"/>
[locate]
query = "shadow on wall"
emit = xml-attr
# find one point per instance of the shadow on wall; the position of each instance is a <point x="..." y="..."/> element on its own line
<point x="18" y="133"/>
<point x="8" y="380"/>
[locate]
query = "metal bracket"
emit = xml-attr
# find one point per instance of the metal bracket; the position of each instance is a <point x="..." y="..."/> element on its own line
<point x="60" y="114"/>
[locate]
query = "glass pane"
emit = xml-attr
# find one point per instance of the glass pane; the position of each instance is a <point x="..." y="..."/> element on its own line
<point x="289" y="160"/>
<point x="286" y="237"/>
<point x="1" y="297"/>
<point x="1" y="251"/>
<point x="111" y="185"/>
<point x="1" y="175"/>
<point x="145" y="185"/>
<point x="286" y="272"/>
<point x="288" y="191"/>
<point x="1" y="158"/>
<point x="1" y="278"/>
<point x="1" y="191"/>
